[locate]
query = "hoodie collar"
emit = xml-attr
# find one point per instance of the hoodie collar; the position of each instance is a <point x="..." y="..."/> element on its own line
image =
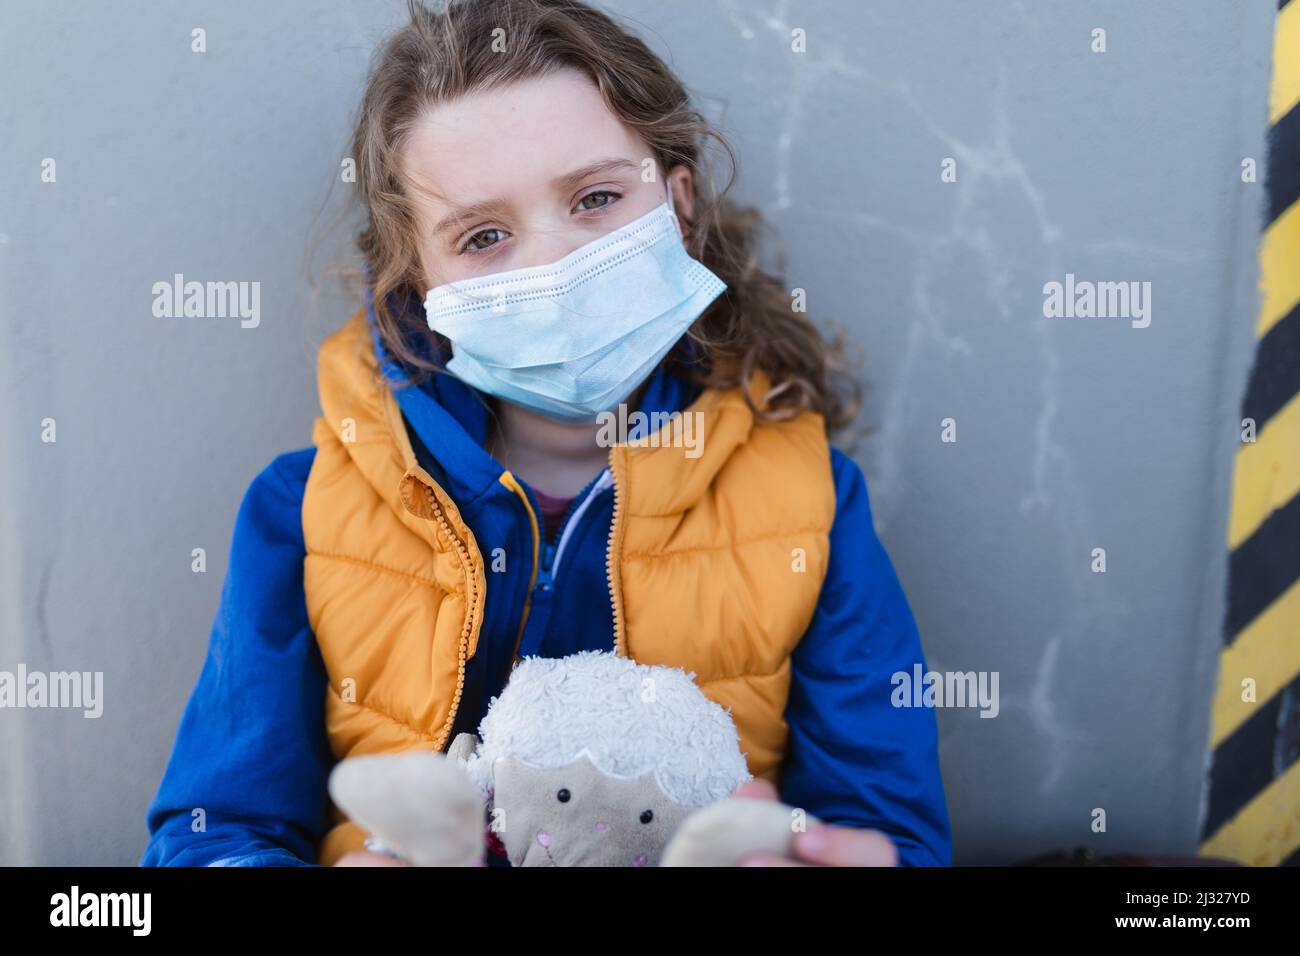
<point x="449" y="419"/>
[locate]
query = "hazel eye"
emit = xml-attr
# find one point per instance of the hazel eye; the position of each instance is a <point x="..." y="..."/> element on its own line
<point x="609" y="199"/>
<point x="476" y="242"/>
<point x="647" y="816"/>
<point x="563" y="796"/>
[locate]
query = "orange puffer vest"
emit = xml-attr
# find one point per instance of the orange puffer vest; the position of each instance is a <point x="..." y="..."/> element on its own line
<point x="715" y="565"/>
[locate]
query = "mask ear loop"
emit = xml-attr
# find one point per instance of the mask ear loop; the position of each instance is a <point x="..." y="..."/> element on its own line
<point x="672" y="206"/>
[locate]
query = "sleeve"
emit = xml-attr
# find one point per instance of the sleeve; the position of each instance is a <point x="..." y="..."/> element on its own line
<point x="855" y="758"/>
<point x="246" y="781"/>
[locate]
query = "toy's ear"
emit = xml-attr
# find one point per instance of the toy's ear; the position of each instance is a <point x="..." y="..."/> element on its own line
<point x="420" y="804"/>
<point x="723" y="832"/>
<point x="463" y="747"/>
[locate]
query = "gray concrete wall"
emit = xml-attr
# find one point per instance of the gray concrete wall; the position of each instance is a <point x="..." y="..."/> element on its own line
<point x="1072" y="433"/>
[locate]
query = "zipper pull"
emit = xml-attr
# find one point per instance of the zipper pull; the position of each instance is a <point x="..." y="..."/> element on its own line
<point x="544" y="572"/>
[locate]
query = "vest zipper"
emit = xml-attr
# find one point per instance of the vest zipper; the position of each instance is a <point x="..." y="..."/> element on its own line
<point x="462" y="653"/>
<point x="612" y="569"/>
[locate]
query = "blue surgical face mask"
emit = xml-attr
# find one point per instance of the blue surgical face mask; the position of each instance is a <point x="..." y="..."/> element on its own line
<point x="574" y="338"/>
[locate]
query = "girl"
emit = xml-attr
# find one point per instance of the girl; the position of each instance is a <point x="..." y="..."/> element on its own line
<point x="539" y="254"/>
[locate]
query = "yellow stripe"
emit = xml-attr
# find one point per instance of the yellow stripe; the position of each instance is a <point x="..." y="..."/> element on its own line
<point x="1267" y="473"/>
<point x="1268" y="653"/>
<point x="1266" y="476"/>
<point x="1267" y="830"/>
<point x="1279" y="267"/>
<point x="1284" y="92"/>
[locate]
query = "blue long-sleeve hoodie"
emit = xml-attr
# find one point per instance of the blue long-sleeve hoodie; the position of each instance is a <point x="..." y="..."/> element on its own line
<point x="246" y="782"/>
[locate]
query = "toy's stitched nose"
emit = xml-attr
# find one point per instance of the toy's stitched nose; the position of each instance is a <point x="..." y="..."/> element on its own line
<point x="640" y="860"/>
<point x="602" y="826"/>
<point x="544" y="838"/>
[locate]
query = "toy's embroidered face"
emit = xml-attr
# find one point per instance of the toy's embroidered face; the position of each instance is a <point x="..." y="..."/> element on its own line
<point x="579" y="816"/>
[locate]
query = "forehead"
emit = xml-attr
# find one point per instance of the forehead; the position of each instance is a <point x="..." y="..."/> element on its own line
<point x="515" y="139"/>
<point x="587" y="784"/>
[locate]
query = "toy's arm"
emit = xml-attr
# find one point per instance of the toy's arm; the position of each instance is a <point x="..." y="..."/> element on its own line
<point x="251" y="753"/>
<point x="855" y="759"/>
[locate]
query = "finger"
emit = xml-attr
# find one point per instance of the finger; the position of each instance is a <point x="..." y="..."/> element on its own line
<point x="828" y="845"/>
<point x="768" y="859"/>
<point x="757" y="788"/>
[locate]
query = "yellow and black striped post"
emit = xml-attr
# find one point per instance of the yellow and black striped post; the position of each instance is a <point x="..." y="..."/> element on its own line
<point x="1253" y="812"/>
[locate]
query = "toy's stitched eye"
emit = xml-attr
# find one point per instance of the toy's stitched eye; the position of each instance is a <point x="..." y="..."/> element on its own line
<point x="647" y="816"/>
<point x="563" y="796"/>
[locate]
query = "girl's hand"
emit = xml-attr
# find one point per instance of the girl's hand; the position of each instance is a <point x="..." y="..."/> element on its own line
<point x="822" y="844"/>
<point x="366" y="858"/>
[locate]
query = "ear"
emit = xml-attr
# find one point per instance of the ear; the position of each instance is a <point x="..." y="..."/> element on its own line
<point x="723" y="832"/>
<point x="682" y="185"/>
<point x="463" y="747"/>
<point x="420" y="804"/>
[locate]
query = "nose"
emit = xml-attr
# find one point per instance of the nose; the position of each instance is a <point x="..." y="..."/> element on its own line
<point x="601" y="825"/>
<point x="551" y="244"/>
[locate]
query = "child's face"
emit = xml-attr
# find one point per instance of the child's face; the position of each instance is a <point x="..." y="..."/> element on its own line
<point x="523" y="175"/>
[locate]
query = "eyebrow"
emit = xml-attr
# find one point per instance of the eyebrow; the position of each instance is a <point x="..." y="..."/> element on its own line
<point x="569" y="180"/>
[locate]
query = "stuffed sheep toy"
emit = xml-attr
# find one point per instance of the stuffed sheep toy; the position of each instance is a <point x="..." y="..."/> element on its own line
<point x="589" y="760"/>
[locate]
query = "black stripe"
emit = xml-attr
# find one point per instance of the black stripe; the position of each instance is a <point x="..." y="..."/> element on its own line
<point x="1248" y="760"/>
<point x="1282" y="3"/>
<point x="1283" y="176"/>
<point x="1293" y="859"/>
<point x="1275" y="379"/>
<point x="1262" y="567"/>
